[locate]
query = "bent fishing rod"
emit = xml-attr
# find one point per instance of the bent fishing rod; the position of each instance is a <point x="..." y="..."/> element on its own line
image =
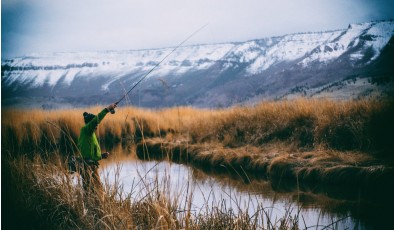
<point x="154" y="67"/>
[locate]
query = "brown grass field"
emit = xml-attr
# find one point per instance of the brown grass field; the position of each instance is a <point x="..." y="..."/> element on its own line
<point x="301" y="124"/>
<point x="341" y="143"/>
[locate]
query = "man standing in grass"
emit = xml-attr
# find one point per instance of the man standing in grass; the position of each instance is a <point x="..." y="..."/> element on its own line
<point x="90" y="150"/>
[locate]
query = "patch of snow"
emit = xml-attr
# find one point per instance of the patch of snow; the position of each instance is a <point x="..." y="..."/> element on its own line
<point x="380" y="34"/>
<point x="336" y="45"/>
<point x="289" y="48"/>
<point x="54" y="76"/>
<point x="70" y="75"/>
<point x="259" y="55"/>
<point x="356" y="56"/>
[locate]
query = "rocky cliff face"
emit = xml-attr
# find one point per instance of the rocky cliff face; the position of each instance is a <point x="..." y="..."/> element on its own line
<point x="348" y="63"/>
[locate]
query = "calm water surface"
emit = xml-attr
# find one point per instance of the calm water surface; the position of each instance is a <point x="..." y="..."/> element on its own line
<point x="204" y="192"/>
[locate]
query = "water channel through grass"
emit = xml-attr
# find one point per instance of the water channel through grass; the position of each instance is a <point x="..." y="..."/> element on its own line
<point x="200" y="192"/>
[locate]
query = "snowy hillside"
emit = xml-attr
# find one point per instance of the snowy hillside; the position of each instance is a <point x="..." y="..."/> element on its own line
<point x="202" y="75"/>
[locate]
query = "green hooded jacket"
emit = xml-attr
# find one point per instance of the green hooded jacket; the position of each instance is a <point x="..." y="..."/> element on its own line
<point x="87" y="143"/>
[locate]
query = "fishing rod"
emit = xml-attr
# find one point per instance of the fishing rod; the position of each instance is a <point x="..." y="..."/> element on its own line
<point x="154" y="67"/>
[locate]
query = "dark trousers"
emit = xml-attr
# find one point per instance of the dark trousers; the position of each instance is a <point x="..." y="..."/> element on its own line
<point x="91" y="180"/>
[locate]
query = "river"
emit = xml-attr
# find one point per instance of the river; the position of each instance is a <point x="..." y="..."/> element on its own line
<point x="201" y="191"/>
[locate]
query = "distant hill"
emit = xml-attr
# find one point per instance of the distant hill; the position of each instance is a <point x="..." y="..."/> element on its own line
<point x="356" y="62"/>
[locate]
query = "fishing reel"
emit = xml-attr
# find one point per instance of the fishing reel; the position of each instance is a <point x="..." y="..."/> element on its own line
<point x="113" y="109"/>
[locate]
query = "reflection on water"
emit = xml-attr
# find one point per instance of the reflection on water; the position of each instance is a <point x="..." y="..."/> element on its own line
<point x="186" y="185"/>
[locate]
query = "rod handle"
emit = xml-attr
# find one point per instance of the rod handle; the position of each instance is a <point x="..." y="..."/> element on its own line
<point x="113" y="110"/>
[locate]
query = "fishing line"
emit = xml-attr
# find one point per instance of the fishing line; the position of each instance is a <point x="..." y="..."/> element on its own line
<point x="154" y="67"/>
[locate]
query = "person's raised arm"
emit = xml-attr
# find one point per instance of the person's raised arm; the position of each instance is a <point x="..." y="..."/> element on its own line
<point x="92" y="125"/>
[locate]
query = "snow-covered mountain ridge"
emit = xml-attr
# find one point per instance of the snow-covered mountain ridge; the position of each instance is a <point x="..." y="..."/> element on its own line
<point x="203" y="75"/>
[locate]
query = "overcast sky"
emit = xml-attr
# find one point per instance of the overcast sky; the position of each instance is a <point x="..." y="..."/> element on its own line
<point x="29" y="26"/>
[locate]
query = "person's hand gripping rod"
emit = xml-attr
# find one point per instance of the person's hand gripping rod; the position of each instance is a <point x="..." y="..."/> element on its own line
<point x="112" y="107"/>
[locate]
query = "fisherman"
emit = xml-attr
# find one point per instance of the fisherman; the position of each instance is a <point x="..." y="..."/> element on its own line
<point x="90" y="150"/>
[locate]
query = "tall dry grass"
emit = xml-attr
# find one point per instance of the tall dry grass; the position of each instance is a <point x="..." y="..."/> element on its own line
<point x="284" y="167"/>
<point x="303" y="124"/>
<point x="308" y="140"/>
<point x="301" y="139"/>
<point x="41" y="194"/>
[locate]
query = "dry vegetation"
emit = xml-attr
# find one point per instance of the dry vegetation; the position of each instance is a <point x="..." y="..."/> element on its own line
<point x="303" y="141"/>
<point x="45" y="196"/>
<point x="307" y="140"/>
<point x="304" y="124"/>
